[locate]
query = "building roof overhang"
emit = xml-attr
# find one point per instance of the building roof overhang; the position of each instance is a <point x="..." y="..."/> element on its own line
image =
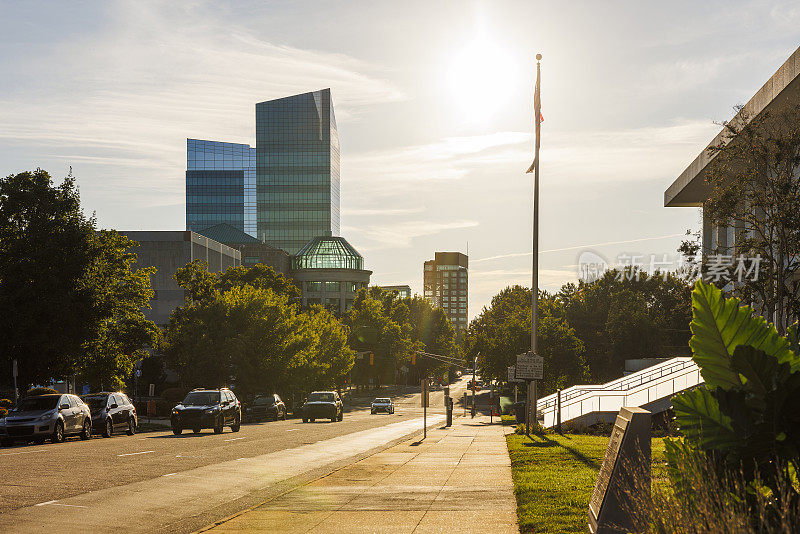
<point x="780" y="91"/>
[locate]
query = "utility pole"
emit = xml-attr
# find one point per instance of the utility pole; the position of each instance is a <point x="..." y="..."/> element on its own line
<point x="14" y="372"/>
<point x="474" y="368"/>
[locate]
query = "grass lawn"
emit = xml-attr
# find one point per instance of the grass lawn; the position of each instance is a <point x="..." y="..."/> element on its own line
<point x="554" y="476"/>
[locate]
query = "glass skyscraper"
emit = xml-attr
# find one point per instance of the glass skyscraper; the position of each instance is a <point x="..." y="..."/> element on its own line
<point x="220" y="185"/>
<point x="297" y="170"/>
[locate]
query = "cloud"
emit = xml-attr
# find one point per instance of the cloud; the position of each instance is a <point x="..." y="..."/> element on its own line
<point x="153" y="74"/>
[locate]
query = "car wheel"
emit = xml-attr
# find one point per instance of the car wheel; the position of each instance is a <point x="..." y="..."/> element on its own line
<point x="131" y="426"/>
<point x="108" y="431"/>
<point x="341" y="416"/>
<point x="305" y="419"/>
<point x="196" y="430"/>
<point x="6" y="442"/>
<point x="334" y="418"/>
<point x="87" y="429"/>
<point x="177" y="430"/>
<point x="312" y="420"/>
<point x="283" y="415"/>
<point x="58" y="433"/>
<point x="373" y="412"/>
<point x="237" y="424"/>
<point x="218" y="425"/>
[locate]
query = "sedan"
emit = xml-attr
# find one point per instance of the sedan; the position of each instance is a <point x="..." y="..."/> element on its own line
<point x="382" y="404"/>
<point x="265" y="408"/>
<point x="51" y="416"/>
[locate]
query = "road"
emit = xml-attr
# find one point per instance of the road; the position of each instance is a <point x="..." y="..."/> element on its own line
<point x="158" y="482"/>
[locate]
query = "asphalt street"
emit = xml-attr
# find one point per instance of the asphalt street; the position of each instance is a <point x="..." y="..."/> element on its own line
<point x="99" y="484"/>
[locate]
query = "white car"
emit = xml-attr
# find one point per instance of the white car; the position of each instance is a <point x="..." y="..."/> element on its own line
<point x="382" y="405"/>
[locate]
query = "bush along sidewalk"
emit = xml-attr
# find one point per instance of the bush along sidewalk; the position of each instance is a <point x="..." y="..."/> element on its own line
<point x="736" y="469"/>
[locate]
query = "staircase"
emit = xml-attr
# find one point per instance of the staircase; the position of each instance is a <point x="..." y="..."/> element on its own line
<point x="651" y="389"/>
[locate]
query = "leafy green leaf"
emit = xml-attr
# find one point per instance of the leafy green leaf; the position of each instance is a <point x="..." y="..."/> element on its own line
<point x="698" y="415"/>
<point x="757" y="367"/>
<point x="719" y="325"/>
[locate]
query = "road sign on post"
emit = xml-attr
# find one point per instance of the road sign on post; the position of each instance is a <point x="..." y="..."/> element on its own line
<point x="529" y="367"/>
<point x="512" y="377"/>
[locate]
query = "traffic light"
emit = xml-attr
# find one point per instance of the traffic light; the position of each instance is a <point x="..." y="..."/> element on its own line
<point x="371" y="358"/>
<point x="413" y="358"/>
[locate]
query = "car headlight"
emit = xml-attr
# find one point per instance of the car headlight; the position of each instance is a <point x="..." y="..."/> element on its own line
<point x="46" y="416"/>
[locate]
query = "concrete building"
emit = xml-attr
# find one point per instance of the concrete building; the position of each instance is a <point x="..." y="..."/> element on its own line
<point x="330" y="272"/>
<point x="297" y="170"/>
<point x="403" y="291"/>
<point x="253" y="251"/>
<point x="167" y="251"/>
<point x="690" y="189"/>
<point x="220" y="185"/>
<point x="445" y="284"/>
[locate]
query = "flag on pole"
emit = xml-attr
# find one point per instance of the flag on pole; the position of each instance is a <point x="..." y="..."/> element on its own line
<point x="537" y="113"/>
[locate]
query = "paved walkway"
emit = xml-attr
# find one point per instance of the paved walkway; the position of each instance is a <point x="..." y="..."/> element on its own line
<point x="456" y="480"/>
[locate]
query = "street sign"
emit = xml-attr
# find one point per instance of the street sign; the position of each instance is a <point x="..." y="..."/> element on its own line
<point x="152" y="390"/>
<point x="512" y="377"/>
<point x="529" y="367"/>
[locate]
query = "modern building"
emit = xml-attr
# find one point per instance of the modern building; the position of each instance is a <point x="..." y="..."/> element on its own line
<point x="297" y="170"/>
<point x="329" y="272"/>
<point x="253" y="251"/>
<point x="445" y="284"/>
<point x="690" y="189"/>
<point x="167" y="251"/>
<point x="220" y="185"/>
<point x="403" y="291"/>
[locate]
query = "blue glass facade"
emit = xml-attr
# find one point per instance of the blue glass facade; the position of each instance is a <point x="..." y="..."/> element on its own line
<point x="297" y="170"/>
<point x="220" y="185"/>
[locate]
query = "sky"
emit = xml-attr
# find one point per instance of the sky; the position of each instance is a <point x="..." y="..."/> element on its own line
<point x="433" y="102"/>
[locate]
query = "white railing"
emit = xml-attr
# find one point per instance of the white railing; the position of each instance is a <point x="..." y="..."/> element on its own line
<point x="649" y="385"/>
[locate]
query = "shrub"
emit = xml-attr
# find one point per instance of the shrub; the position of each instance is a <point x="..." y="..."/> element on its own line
<point x="6" y="403"/>
<point x="40" y="391"/>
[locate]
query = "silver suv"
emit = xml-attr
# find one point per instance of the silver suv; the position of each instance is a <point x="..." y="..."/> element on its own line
<point x="51" y="416"/>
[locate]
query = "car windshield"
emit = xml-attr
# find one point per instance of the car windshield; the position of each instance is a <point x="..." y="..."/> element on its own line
<point x="263" y="401"/>
<point x="37" y="403"/>
<point x="320" y="397"/>
<point x="95" y="403"/>
<point x="201" y="398"/>
<point x="383" y="401"/>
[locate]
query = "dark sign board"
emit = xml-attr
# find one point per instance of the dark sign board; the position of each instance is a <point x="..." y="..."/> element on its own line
<point x="625" y="470"/>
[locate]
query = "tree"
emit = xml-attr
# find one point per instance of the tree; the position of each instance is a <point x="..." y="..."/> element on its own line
<point x="502" y="331"/>
<point x="201" y="284"/>
<point x="122" y="335"/>
<point x="755" y="188"/>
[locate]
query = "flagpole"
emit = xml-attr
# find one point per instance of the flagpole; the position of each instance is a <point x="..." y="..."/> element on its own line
<point x="537" y="107"/>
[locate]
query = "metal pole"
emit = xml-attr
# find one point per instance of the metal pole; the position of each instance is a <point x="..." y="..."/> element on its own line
<point x="535" y="251"/>
<point x="16" y="391"/>
<point x="558" y="412"/>
<point x="474" y="366"/>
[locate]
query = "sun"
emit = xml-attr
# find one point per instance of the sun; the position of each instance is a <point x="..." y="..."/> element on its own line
<point x="481" y="77"/>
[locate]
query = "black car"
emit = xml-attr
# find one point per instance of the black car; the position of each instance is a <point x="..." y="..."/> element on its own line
<point x="207" y="408"/>
<point x="323" y="405"/>
<point x="111" y="412"/>
<point x="265" y="408"/>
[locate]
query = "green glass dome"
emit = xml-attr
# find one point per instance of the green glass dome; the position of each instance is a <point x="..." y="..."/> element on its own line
<point x="327" y="252"/>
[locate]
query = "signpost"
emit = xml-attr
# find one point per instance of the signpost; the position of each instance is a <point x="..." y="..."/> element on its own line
<point x="16" y="392"/>
<point x="425" y="400"/>
<point x="625" y="471"/>
<point x="529" y="368"/>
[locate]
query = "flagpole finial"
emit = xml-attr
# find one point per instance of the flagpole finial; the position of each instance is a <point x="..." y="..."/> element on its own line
<point x="538" y="57"/>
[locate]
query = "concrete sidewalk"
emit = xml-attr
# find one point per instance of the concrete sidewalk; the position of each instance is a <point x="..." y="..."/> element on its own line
<point x="456" y="480"/>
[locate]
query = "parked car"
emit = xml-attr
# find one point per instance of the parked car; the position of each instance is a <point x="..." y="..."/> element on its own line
<point x="111" y="412"/>
<point x="265" y="408"/>
<point x="53" y="416"/>
<point x="382" y="404"/>
<point x="323" y="405"/>
<point x="207" y="408"/>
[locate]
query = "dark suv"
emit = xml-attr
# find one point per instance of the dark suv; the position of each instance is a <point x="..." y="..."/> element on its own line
<point x="265" y="408"/>
<point x="111" y="412"/>
<point x="207" y="408"/>
<point x="323" y="405"/>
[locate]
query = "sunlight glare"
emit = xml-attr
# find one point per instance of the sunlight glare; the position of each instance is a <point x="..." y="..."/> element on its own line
<point x="481" y="78"/>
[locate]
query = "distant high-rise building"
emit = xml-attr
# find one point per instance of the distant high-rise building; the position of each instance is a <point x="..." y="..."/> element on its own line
<point x="297" y="170"/>
<point x="445" y="285"/>
<point x="220" y="185"/>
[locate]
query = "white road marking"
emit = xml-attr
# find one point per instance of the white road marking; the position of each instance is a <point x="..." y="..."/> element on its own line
<point x="135" y="453"/>
<point x="233" y="439"/>
<point x="169" y="474"/>
<point x="292" y="429"/>
<point x="24" y="452"/>
<point x="55" y="503"/>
